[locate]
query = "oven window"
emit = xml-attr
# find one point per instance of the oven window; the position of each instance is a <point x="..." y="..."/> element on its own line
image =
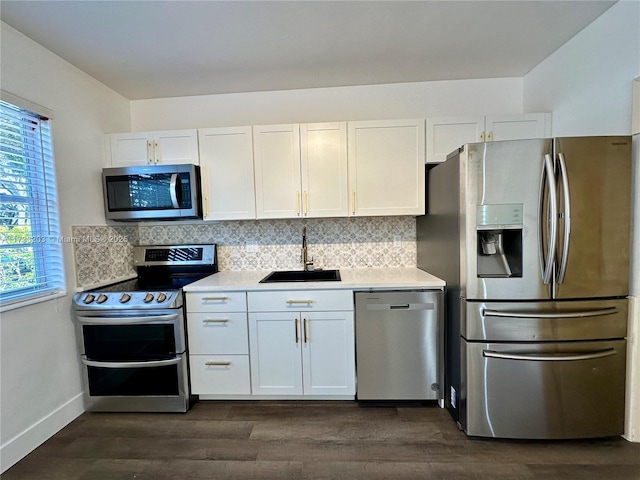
<point x="133" y="381"/>
<point x="129" y="342"/>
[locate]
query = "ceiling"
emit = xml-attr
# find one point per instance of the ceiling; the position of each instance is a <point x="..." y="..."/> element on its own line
<point x="155" y="49"/>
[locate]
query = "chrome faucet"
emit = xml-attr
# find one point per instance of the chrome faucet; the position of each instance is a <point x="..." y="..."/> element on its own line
<point x="306" y="263"/>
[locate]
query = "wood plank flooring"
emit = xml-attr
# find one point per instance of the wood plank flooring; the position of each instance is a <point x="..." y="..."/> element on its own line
<point x="309" y="440"/>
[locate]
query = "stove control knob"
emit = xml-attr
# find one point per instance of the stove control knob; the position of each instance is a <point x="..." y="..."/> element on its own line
<point x="125" y="297"/>
<point x="101" y="298"/>
<point x="161" y="298"/>
<point x="148" y="297"/>
<point x="89" y="298"/>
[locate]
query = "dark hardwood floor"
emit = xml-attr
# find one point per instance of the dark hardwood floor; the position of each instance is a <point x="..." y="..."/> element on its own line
<point x="311" y="441"/>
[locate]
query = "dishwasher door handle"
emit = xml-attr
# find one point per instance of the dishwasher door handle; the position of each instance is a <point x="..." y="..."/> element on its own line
<point x="400" y="306"/>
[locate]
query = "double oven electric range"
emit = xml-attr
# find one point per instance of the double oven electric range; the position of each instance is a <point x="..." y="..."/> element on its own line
<point x="132" y="334"/>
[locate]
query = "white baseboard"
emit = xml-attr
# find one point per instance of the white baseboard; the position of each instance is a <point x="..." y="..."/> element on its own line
<point x="24" y="443"/>
<point x="632" y="414"/>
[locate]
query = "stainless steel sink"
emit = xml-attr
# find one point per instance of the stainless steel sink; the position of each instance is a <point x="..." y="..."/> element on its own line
<point x="302" y="276"/>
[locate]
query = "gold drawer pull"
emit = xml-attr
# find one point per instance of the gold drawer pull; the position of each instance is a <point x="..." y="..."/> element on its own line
<point x="215" y="320"/>
<point x="218" y="364"/>
<point x="297" y="302"/>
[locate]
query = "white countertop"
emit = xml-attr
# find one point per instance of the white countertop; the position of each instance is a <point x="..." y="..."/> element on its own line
<point x="352" y="279"/>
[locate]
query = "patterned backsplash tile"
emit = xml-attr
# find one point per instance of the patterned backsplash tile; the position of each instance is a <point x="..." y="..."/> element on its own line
<point x="257" y="244"/>
<point x="103" y="253"/>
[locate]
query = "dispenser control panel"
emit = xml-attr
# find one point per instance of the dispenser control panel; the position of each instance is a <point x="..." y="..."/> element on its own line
<point x="500" y="216"/>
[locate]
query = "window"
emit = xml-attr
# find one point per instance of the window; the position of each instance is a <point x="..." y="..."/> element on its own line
<point x="30" y="248"/>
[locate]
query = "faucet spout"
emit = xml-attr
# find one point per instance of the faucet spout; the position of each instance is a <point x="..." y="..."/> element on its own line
<point x="306" y="263"/>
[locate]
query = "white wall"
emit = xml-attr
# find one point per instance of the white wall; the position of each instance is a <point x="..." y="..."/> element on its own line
<point x="587" y="83"/>
<point x="40" y="375"/>
<point x="370" y="102"/>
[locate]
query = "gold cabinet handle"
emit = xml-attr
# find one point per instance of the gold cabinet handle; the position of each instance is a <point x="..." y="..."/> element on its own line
<point x="215" y="320"/>
<point x="214" y="299"/>
<point x="297" y="203"/>
<point x="297" y="302"/>
<point x="353" y="201"/>
<point x="297" y="335"/>
<point x="156" y="151"/>
<point x="306" y="203"/>
<point x="306" y="337"/>
<point x="149" y="154"/>
<point x="490" y="137"/>
<point x="218" y="364"/>
<point x="482" y="136"/>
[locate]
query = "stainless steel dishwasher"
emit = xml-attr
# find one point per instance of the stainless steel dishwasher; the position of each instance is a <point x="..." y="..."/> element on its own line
<point x="399" y="345"/>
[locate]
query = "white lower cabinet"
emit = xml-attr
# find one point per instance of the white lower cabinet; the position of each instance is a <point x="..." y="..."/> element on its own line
<point x="302" y="343"/>
<point x="218" y="344"/>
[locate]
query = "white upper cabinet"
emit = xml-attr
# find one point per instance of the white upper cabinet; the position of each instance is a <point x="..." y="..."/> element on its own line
<point x="300" y="170"/>
<point x="149" y="148"/>
<point x="516" y="127"/>
<point x="386" y="167"/>
<point x="323" y="149"/>
<point x="226" y="164"/>
<point x="446" y="134"/>
<point x="276" y="156"/>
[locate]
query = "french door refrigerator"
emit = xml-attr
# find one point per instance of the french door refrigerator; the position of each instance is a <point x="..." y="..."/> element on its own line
<point x="532" y="238"/>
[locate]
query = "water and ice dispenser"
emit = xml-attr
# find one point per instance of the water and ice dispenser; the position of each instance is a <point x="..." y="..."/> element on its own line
<point x="499" y="233"/>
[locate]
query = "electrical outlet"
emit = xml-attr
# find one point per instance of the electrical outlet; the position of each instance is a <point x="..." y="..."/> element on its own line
<point x="251" y="247"/>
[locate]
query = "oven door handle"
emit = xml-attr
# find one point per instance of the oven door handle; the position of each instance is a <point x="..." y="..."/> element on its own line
<point x="125" y="320"/>
<point x="149" y="364"/>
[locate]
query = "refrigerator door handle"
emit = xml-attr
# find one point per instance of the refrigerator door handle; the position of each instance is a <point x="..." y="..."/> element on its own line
<point x="547" y="261"/>
<point x="566" y="215"/>
<point x="599" y="312"/>
<point x="557" y="357"/>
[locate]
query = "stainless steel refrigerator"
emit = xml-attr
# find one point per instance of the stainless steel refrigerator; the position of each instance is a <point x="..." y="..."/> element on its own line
<point x="532" y="238"/>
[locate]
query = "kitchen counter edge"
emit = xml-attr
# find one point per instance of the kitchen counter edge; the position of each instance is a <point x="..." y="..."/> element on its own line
<point x="351" y="279"/>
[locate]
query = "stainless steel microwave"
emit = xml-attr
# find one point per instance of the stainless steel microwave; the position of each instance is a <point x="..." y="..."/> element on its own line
<point x="152" y="192"/>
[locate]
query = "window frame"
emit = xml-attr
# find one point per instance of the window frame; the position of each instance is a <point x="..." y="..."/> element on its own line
<point x="43" y="213"/>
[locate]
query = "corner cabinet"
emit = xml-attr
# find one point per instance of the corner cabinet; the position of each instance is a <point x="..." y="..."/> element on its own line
<point x="386" y="167"/>
<point x="300" y="170"/>
<point x="218" y="344"/>
<point x="149" y="148"/>
<point x="226" y="164"/>
<point x="446" y="134"/>
<point x="302" y="343"/>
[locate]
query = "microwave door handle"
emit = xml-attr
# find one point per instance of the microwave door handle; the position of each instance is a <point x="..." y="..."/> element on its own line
<point x="173" y="190"/>
<point x="566" y="214"/>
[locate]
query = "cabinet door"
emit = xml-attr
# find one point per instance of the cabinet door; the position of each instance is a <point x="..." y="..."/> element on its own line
<point x="386" y="167"/>
<point x="177" y="146"/>
<point x="446" y="134"/>
<point x="142" y="148"/>
<point x="275" y="346"/>
<point x="323" y="149"/>
<point x="328" y="353"/>
<point x="277" y="171"/>
<point x="131" y="149"/>
<point x="517" y="127"/>
<point x="226" y="163"/>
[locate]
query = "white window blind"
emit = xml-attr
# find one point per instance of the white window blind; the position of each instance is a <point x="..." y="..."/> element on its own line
<point x="30" y="243"/>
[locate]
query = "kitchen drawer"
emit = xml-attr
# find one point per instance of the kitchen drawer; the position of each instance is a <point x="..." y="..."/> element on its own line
<point x="218" y="332"/>
<point x="220" y="374"/>
<point x="217" y="302"/>
<point x="300" y="300"/>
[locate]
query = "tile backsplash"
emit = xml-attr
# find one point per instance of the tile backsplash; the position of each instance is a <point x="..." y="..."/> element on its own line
<point x="253" y="244"/>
